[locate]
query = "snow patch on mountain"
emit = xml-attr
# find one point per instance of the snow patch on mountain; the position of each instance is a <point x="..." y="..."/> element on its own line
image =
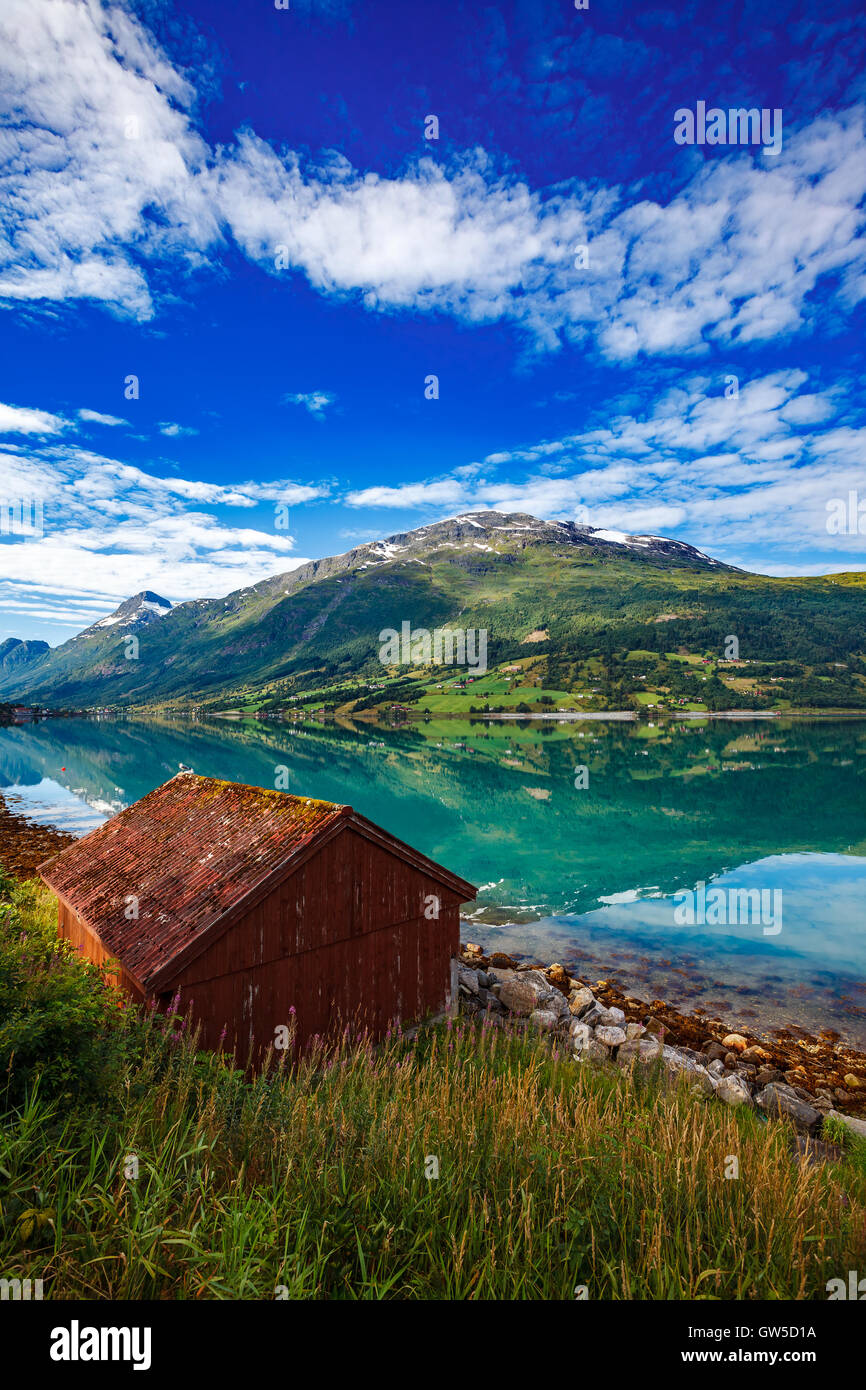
<point x="145" y="607"/>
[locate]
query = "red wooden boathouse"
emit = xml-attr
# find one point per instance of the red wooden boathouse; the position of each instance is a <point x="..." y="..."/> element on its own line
<point x="250" y="903"/>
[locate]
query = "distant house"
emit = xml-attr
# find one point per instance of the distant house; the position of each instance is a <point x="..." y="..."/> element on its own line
<point x="261" y="910"/>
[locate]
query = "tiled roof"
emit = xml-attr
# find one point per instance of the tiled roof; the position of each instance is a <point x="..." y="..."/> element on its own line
<point x="188" y="852"/>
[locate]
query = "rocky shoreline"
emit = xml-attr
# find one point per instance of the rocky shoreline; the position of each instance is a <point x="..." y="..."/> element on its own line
<point x="809" y="1080"/>
<point x="24" y="844"/>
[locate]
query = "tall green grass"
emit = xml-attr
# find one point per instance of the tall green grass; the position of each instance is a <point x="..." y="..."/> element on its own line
<point x="313" y="1181"/>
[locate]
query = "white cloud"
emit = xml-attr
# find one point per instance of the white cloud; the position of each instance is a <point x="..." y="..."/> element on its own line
<point x="316" y="402"/>
<point x="793" y="571"/>
<point x="733" y="257"/>
<point x="21" y="420"/>
<point x="173" y="431"/>
<point x="100" y="137"/>
<point x="436" y="494"/>
<point x="95" y="417"/>
<point x="117" y="529"/>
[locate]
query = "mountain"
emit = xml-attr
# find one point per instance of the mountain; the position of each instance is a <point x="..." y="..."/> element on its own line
<point x="492" y="533"/>
<point x="568" y="591"/>
<point x="15" y="653"/>
<point x="134" y="612"/>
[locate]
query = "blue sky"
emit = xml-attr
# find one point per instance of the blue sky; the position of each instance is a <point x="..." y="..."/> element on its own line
<point x="238" y="206"/>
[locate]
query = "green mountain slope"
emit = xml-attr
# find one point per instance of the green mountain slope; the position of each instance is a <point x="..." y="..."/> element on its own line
<point x="575" y="592"/>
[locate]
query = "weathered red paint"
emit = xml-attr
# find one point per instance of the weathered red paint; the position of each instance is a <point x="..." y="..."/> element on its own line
<point x="253" y="904"/>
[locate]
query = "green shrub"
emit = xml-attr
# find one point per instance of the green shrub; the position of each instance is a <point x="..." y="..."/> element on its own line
<point x="60" y="1018"/>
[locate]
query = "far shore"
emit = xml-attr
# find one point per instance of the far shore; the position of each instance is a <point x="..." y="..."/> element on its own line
<point x="562" y="716"/>
<point x="413" y="715"/>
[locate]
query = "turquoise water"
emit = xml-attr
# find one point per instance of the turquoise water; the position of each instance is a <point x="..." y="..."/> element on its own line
<point x="589" y="867"/>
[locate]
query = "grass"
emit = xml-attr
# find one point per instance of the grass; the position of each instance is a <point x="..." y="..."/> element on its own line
<point x="315" y="1181"/>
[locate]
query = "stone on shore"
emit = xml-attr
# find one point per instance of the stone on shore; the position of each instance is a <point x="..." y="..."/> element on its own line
<point x="733" y="1090"/>
<point x="780" y="1100"/>
<point x="558" y="977"/>
<point x="581" y="1001"/>
<point x="640" y="1050"/>
<point x="520" y="996"/>
<point x="678" y="1062"/>
<point x="531" y="990"/>
<point x="767" y="1074"/>
<point x="610" y="1035"/>
<point x="580" y="1035"/>
<point x="545" y="1019"/>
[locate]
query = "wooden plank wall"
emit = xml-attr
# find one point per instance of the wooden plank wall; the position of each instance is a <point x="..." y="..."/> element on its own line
<point x="400" y="972"/>
<point x="72" y="928"/>
<point x="346" y="940"/>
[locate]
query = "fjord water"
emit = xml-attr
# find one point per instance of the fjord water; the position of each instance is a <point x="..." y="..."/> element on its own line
<point x="589" y="868"/>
